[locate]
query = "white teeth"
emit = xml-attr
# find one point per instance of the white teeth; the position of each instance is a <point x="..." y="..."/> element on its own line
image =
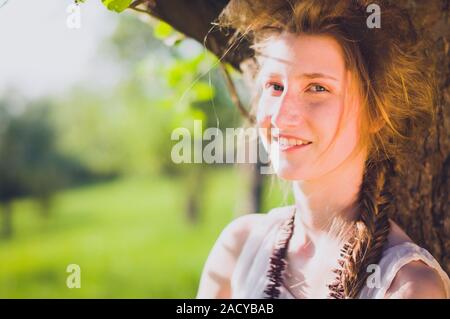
<point x="291" y="141"/>
<point x="283" y="141"/>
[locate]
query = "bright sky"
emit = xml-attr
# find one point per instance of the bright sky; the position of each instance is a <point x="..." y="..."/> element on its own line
<point x="39" y="53"/>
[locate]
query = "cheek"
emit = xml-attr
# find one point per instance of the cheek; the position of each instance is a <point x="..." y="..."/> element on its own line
<point x="263" y="122"/>
<point x="324" y="118"/>
<point x="263" y="113"/>
<point x="349" y="136"/>
<point x="341" y="133"/>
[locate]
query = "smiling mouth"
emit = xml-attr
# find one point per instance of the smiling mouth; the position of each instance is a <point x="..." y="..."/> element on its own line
<point x="285" y="143"/>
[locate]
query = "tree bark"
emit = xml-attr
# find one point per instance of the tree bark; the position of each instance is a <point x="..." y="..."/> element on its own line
<point x="194" y="18"/>
<point x="422" y="196"/>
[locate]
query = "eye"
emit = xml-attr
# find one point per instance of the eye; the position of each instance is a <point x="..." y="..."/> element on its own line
<point x="317" y="88"/>
<point x="278" y="87"/>
<point x="275" y="87"/>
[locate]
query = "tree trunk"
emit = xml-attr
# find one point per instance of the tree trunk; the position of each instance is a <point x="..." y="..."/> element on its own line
<point x="423" y="195"/>
<point x="250" y="200"/>
<point x="256" y="185"/>
<point x="195" y="188"/>
<point x="6" y="231"/>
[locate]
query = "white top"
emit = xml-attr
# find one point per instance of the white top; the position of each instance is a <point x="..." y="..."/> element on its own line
<point x="249" y="277"/>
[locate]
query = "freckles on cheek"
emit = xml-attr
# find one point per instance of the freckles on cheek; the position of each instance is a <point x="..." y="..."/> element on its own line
<point x="325" y="119"/>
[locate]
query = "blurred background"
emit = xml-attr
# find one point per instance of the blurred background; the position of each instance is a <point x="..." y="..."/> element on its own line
<point x="86" y="177"/>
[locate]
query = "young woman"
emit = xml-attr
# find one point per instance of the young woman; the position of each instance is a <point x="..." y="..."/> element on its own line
<point x="338" y="102"/>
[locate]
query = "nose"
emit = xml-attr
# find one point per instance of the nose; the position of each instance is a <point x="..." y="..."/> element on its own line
<point x="287" y="113"/>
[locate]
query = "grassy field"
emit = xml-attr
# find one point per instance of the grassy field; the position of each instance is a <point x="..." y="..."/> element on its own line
<point x="130" y="238"/>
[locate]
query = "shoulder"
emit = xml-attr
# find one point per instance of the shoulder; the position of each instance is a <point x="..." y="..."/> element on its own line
<point x="416" y="280"/>
<point x="215" y="281"/>
<point x="244" y="223"/>
<point x="397" y="235"/>
<point x="236" y="232"/>
<point x="220" y="264"/>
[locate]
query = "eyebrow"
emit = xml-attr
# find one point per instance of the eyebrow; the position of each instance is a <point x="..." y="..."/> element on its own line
<point x="317" y="75"/>
<point x="314" y="75"/>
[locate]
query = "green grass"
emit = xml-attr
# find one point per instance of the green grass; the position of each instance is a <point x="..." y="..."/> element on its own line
<point x="130" y="237"/>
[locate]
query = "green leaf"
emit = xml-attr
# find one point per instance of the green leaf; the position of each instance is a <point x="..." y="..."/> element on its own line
<point x="175" y="74"/>
<point x="117" y="5"/>
<point x="203" y="91"/>
<point x="198" y="115"/>
<point x="162" y="30"/>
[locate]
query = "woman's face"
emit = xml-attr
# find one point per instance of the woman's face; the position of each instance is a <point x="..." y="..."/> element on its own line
<point x="305" y="98"/>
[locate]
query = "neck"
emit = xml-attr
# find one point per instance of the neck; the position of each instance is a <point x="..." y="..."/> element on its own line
<point x="322" y="201"/>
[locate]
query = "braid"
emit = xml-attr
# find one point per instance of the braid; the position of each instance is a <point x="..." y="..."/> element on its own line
<point x="365" y="246"/>
<point x="370" y="233"/>
<point x="278" y="259"/>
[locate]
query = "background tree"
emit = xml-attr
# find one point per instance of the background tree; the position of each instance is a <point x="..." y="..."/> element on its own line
<point x="186" y="85"/>
<point x="30" y="164"/>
